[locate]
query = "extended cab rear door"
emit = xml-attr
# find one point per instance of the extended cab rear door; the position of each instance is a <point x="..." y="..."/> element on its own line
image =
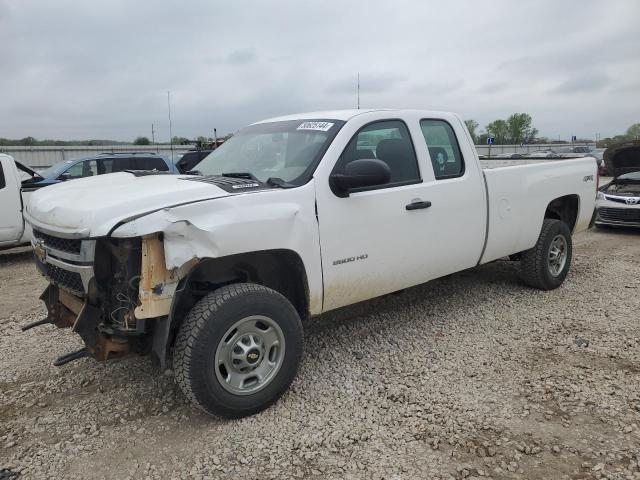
<point x="454" y="230"/>
<point x="373" y="242"/>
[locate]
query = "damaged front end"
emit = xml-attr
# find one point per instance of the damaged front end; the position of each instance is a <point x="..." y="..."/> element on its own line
<point x="116" y="293"/>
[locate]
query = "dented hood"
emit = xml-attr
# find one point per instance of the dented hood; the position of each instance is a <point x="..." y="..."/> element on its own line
<point x="92" y="206"/>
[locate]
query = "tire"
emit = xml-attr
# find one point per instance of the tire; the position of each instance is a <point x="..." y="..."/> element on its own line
<point x="536" y="268"/>
<point x="207" y="364"/>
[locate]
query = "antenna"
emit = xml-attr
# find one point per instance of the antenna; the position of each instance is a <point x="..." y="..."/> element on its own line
<point x="170" y="130"/>
<point x="358" y="90"/>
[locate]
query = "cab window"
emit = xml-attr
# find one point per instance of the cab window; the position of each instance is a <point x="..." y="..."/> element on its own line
<point x="389" y="141"/>
<point x="87" y="168"/>
<point x="3" y="182"/>
<point x="444" y="150"/>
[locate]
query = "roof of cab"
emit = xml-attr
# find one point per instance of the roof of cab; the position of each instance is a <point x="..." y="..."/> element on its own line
<point x="347" y="115"/>
<point x="328" y="115"/>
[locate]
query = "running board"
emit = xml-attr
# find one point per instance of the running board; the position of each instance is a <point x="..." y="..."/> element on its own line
<point x="70" y="357"/>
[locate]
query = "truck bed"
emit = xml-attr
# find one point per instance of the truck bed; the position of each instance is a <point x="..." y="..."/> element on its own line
<point x="515" y="196"/>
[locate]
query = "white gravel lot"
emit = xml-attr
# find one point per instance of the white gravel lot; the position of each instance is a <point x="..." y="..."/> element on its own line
<point x="473" y="375"/>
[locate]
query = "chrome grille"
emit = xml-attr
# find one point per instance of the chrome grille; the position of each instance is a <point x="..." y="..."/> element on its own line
<point x="66" y="262"/>
<point x="67" y="245"/>
<point x="63" y="278"/>
<point x="611" y="198"/>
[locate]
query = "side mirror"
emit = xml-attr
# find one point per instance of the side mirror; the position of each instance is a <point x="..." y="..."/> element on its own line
<point x="64" y="177"/>
<point x="359" y="174"/>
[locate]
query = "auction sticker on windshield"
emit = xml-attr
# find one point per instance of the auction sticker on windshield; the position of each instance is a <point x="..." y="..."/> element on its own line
<point x="319" y="126"/>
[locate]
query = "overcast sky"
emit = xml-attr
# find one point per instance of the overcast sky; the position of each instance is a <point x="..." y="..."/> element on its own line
<point x="102" y="69"/>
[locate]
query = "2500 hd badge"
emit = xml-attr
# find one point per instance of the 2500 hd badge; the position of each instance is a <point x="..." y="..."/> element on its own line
<point x="364" y="256"/>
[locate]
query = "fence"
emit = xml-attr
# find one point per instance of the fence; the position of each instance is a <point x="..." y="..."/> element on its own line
<point x="43" y="157"/>
<point x="524" y="149"/>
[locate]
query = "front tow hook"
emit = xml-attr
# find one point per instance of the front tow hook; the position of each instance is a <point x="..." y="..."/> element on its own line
<point x="29" y="326"/>
<point x="70" y="357"/>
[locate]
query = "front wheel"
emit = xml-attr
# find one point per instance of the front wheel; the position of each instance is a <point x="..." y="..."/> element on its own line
<point x="546" y="265"/>
<point x="238" y="350"/>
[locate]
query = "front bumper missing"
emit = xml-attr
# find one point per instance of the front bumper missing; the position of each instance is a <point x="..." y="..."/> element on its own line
<point x="68" y="311"/>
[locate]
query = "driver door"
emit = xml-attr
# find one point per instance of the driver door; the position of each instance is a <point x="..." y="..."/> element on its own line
<point x="369" y="239"/>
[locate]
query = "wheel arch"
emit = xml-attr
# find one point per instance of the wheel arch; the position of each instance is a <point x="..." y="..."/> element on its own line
<point x="565" y="208"/>
<point x="281" y="270"/>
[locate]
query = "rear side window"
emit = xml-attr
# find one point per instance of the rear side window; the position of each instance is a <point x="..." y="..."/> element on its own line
<point x="87" y="168"/>
<point x="141" y="163"/>
<point x="121" y="164"/>
<point x="389" y="141"/>
<point x="3" y="183"/>
<point x="105" y="165"/>
<point x="444" y="150"/>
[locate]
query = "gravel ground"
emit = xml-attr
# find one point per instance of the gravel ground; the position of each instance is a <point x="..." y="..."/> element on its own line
<point x="473" y="375"/>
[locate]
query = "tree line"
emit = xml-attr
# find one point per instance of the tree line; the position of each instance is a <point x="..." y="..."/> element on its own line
<point x="632" y="133"/>
<point x="34" y="142"/>
<point x="516" y="129"/>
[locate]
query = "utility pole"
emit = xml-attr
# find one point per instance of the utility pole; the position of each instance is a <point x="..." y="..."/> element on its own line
<point x="170" y="129"/>
<point x="215" y="138"/>
<point x="358" y="91"/>
<point x="153" y="137"/>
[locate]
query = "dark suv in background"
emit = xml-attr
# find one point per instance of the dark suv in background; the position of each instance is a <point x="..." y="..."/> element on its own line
<point x="99" y="165"/>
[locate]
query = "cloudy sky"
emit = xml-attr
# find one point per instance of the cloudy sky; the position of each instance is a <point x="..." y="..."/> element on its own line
<point x="102" y="69"/>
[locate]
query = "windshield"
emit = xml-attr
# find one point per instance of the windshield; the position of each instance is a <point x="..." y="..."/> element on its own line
<point x="287" y="150"/>
<point x="631" y="177"/>
<point x="56" y="169"/>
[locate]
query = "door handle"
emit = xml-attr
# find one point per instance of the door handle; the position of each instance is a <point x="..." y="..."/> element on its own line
<point x="418" y="205"/>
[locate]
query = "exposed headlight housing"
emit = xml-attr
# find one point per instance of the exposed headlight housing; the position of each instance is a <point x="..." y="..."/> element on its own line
<point x="600" y="196"/>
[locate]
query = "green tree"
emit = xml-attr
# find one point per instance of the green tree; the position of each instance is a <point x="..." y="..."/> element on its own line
<point x="521" y="129"/>
<point x="472" y="126"/>
<point x="180" y="141"/>
<point x="499" y="129"/>
<point x="633" y="132"/>
<point x="27" y="141"/>
<point x="141" y="141"/>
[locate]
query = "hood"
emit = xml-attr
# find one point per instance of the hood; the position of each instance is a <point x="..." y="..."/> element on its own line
<point x="622" y="158"/>
<point x="92" y="206"/>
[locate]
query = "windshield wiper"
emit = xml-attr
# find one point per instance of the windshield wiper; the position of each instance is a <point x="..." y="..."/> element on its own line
<point x="278" y="182"/>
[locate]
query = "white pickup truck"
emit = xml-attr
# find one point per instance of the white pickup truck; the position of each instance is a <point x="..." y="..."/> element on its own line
<point x="292" y="217"/>
<point x="13" y="230"/>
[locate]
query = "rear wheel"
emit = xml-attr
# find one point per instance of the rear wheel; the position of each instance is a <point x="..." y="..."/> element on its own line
<point x="546" y="265"/>
<point x="238" y="350"/>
